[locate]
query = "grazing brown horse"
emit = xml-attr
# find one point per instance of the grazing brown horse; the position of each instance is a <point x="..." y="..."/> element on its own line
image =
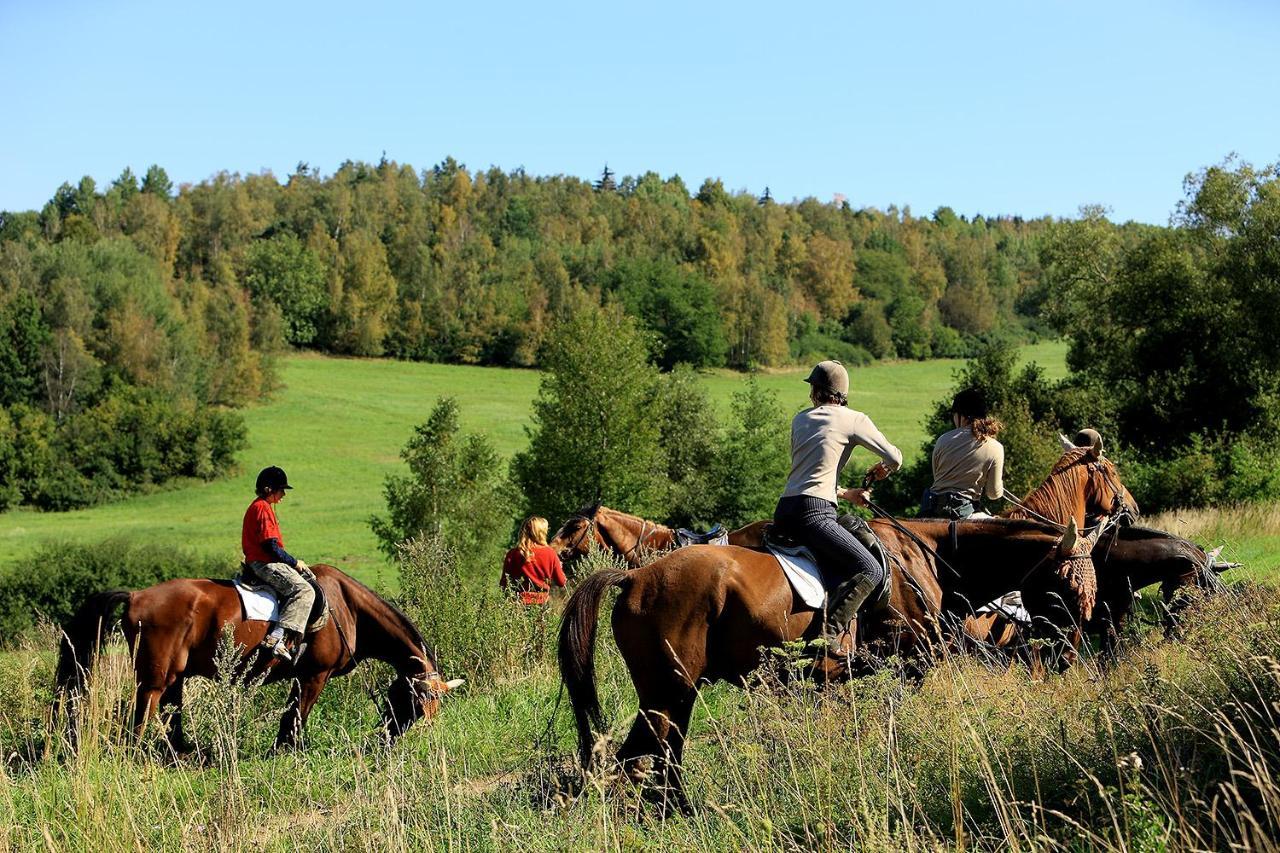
<point x="703" y="613"/>
<point x="1130" y="558"/>
<point x="631" y="537"/>
<point x="173" y="630"/>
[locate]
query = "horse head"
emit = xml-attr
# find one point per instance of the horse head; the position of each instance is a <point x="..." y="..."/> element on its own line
<point x="1082" y="483"/>
<point x="414" y="697"/>
<point x="578" y="535"/>
<point x="1104" y="493"/>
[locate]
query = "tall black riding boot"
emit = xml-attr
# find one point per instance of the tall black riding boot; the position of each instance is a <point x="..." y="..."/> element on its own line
<point x="846" y="600"/>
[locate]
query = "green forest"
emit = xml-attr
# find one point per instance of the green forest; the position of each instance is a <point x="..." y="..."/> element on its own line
<point x="136" y="317"/>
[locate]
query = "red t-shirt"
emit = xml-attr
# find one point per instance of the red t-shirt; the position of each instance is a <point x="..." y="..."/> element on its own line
<point x="533" y="577"/>
<point x="259" y="525"/>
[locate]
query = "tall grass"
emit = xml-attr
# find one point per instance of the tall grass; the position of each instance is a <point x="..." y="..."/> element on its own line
<point x="1176" y="747"/>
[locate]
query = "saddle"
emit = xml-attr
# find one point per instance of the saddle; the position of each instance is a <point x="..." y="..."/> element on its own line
<point x="247" y="581"/>
<point x="861" y="530"/>
<point x="715" y="536"/>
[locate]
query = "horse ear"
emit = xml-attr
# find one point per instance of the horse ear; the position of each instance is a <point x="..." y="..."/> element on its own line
<point x="1067" y="545"/>
<point x="1066" y="443"/>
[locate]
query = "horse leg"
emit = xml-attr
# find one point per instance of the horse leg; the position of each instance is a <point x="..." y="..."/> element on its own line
<point x="151" y="667"/>
<point x="172" y="698"/>
<point x="672" y="761"/>
<point x="302" y="698"/>
<point x="654" y="748"/>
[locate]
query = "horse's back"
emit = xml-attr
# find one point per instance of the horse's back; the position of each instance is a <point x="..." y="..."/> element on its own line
<point x="705" y="610"/>
<point x="179" y="602"/>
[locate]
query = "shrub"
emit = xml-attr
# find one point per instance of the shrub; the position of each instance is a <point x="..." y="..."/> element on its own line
<point x="751" y="467"/>
<point x="473" y="625"/>
<point x="55" y="580"/>
<point x="454" y="490"/>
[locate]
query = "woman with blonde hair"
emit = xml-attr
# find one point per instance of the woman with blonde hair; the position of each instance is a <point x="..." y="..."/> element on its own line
<point x="532" y="567"/>
<point x="968" y="462"/>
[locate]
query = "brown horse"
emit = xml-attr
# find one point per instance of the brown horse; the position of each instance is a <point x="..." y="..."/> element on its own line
<point x="631" y="537"/>
<point x="173" y="630"/>
<point x="704" y="613"/>
<point x="1082" y="483"/>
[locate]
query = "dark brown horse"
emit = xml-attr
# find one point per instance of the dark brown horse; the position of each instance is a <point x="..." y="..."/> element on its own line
<point x="704" y="613"/>
<point x="174" y="628"/>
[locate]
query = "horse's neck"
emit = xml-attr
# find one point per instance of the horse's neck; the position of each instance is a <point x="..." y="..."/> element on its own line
<point x="630" y="532"/>
<point x="1059" y="499"/>
<point x="388" y="635"/>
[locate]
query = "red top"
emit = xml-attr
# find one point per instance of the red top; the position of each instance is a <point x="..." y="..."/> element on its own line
<point x="533" y="577"/>
<point x="259" y="525"/>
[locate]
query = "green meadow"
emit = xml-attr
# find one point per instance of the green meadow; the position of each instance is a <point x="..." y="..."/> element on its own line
<point x="337" y="425"/>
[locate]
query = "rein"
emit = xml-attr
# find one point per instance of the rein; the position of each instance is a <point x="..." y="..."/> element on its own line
<point x="888" y="516"/>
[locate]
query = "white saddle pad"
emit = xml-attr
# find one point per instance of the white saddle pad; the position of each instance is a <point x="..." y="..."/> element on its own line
<point x="258" y="603"/>
<point x="804" y="577"/>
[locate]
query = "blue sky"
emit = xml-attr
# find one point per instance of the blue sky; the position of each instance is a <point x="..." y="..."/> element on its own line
<point x="998" y="107"/>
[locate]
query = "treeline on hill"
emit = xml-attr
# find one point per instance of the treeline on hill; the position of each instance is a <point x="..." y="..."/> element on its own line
<point x="447" y="265"/>
<point x="132" y="315"/>
<point x="1174" y="353"/>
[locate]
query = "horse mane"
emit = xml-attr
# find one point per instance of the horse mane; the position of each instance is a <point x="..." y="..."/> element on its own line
<point x="405" y="622"/>
<point x="1071" y="457"/>
<point x="1053" y="497"/>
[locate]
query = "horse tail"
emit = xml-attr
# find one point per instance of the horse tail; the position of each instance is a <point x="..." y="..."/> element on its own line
<point x="81" y="638"/>
<point x="577" y="653"/>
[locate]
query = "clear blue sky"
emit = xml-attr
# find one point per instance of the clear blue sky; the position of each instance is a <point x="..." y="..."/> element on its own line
<point x="995" y="107"/>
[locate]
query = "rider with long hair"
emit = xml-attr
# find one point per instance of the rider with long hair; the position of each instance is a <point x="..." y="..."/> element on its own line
<point x="822" y="437"/>
<point x="532" y="567"/>
<point x="968" y="461"/>
<point x="266" y="558"/>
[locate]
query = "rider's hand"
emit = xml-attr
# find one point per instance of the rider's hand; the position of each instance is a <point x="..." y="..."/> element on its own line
<point x="304" y="569"/>
<point x="857" y="497"/>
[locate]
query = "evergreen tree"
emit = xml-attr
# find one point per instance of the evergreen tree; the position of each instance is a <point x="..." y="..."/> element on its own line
<point x="606" y="184"/>
<point x="595" y="434"/>
<point x="157" y="183"/>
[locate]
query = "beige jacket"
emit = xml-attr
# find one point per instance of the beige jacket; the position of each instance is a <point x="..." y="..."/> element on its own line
<point x="822" y="439"/>
<point x="966" y="466"/>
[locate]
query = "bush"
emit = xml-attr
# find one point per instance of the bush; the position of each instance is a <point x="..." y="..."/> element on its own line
<point x="129" y="442"/>
<point x="55" y="580"/>
<point x="454" y="490"/>
<point x="1206" y="473"/>
<point x="752" y="465"/>
<point x="473" y="625"/>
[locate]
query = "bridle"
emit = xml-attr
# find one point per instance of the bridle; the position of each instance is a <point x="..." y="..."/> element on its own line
<point x="587" y="530"/>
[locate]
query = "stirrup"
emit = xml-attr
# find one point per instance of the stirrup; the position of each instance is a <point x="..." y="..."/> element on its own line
<point x="279" y="648"/>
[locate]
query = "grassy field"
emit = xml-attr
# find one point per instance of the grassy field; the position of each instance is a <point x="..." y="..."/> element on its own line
<point x="337" y="426"/>
<point x="1174" y="748"/>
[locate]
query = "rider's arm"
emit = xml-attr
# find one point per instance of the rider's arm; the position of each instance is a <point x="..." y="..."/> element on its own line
<point x="279" y="554"/>
<point x="872" y="439"/>
<point x="557" y="574"/>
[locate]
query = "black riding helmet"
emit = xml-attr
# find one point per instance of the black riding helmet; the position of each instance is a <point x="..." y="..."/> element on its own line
<point x="271" y="479"/>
